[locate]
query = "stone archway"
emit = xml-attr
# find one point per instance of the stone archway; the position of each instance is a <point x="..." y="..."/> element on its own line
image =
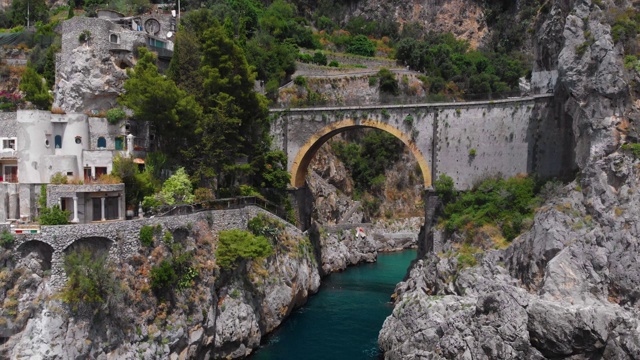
<point x="97" y="245"/>
<point x="38" y="250"/>
<point x="309" y="149"/>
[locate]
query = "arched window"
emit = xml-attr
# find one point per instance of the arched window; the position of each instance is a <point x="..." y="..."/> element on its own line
<point x="119" y="143"/>
<point x="58" y="141"/>
<point x="102" y="142"/>
<point x="113" y="38"/>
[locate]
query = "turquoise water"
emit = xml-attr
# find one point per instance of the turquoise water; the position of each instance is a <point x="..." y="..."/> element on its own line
<point x="342" y="321"/>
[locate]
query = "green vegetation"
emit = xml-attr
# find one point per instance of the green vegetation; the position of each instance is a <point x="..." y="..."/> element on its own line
<point x="454" y="69"/>
<point x="445" y="188"/>
<point x="634" y="148"/>
<point x="388" y="82"/>
<point x="35" y="89"/>
<point x="176" y="272"/>
<point x="53" y="216"/>
<point x="90" y="282"/>
<point x="361" y="45"/>
<point x="236" y="245"/>
<point x="147" y="233"/>
<point x="137" y="184"/>
<point x="177" y="189"/>
<point x="115" y="115"/>
<point x="50" y="215"/>
<point x="6" y="239"/>
<point x="504" y="203"/>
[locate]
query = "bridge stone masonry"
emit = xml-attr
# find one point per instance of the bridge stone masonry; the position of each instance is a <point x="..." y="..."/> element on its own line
<point x="121" y="239"/>
<point x="468" y="141"/>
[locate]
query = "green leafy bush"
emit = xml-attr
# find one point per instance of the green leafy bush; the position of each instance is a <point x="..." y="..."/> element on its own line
<point x="300" y="81"/>
<point x="236" y="245"/>
<point x="115" y="115"/>
<point x="35" y="89"/>
<point x="53" y="216"/>
<point x="319" y="58"/>
<point x="6" y="239"/>
<point x="361" y="45"/>
<point x="146" y="234"/>
<point x="59" y="179"/>
<point x="334" y="63"/>
<point x="445" y="187"/>
<point x="163" y="276"/>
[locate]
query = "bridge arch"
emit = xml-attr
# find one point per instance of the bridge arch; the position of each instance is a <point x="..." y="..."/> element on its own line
<point x="98" y="245"/>
<point x="309" y="149"/>
<point x="40" y="249"/>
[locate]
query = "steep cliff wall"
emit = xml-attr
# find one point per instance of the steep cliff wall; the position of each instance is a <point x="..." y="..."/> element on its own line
<point x="212" y="313"/>
<point x="566" y="289"/>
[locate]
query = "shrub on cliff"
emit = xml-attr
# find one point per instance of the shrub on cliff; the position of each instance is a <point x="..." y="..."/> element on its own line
<point x="505" y="203"/>
<point x="90" y="282"/>
<point x="236" y="245"/>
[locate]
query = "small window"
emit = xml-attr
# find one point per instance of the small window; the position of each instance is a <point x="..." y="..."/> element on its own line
<point x="78" y="140"/>
<point x="102" y="143"/>
<point x="9" y="144"/>
<point x="46" y="143"/>
<point x="114" y="38"/>
<point x="58" y="142"/>
<point x="69" y="173"/>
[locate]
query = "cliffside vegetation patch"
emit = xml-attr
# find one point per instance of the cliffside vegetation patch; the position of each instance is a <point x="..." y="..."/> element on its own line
<point x="505" y="204"/>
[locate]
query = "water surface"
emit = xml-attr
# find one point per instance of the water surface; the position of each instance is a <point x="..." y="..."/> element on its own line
<point x="342" y="321"/>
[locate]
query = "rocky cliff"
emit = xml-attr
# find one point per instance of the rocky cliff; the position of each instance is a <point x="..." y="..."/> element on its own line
<point x="212" y="314"/>
<point x="567" y="288"/>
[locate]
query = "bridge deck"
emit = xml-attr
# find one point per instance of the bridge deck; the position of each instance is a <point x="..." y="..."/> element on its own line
<point x="413" y="106"/>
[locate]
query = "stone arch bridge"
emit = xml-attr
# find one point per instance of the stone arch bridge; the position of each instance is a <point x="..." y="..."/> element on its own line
<point x="468" y="141"/>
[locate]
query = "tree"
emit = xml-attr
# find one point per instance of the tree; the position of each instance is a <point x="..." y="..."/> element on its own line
<point x="271" y="173"/>
<point x="177" y="189"/>
<point x="137" y="184"/>
<point x="37" y="10"/>
<point x="156" y="99"/>
<point x="361" y="45"/>
<point x="35" y="89"/>
<point x="233" y="124"/>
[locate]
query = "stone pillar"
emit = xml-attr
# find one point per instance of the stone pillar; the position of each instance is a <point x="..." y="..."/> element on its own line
<point x="120" y="207"/>
<point x="102" y="209"/>
<point x="75" y="210"/>
<point x="130" y="144"/>
<point x="425" y="238"/>
<point x="58" y="276"/>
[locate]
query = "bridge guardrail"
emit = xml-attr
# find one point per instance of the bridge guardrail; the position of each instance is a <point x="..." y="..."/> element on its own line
<point x="220" y="204"/>
<point x="395" y="100"/>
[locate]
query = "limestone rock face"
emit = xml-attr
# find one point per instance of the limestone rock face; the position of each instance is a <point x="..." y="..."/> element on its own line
<point x="206" y="319"/>
<point x="565" y="289"/>
<point x="89" y="82"/>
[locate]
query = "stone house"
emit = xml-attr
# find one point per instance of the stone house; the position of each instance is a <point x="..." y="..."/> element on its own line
<point x="95" y="53"/>
<point x="40" y="144"/>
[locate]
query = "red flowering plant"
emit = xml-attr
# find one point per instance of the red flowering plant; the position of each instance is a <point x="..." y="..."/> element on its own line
<point x="10" y="101"/>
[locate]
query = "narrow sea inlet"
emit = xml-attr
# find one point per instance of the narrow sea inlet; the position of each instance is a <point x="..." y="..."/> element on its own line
<point x="342" y="321"/>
